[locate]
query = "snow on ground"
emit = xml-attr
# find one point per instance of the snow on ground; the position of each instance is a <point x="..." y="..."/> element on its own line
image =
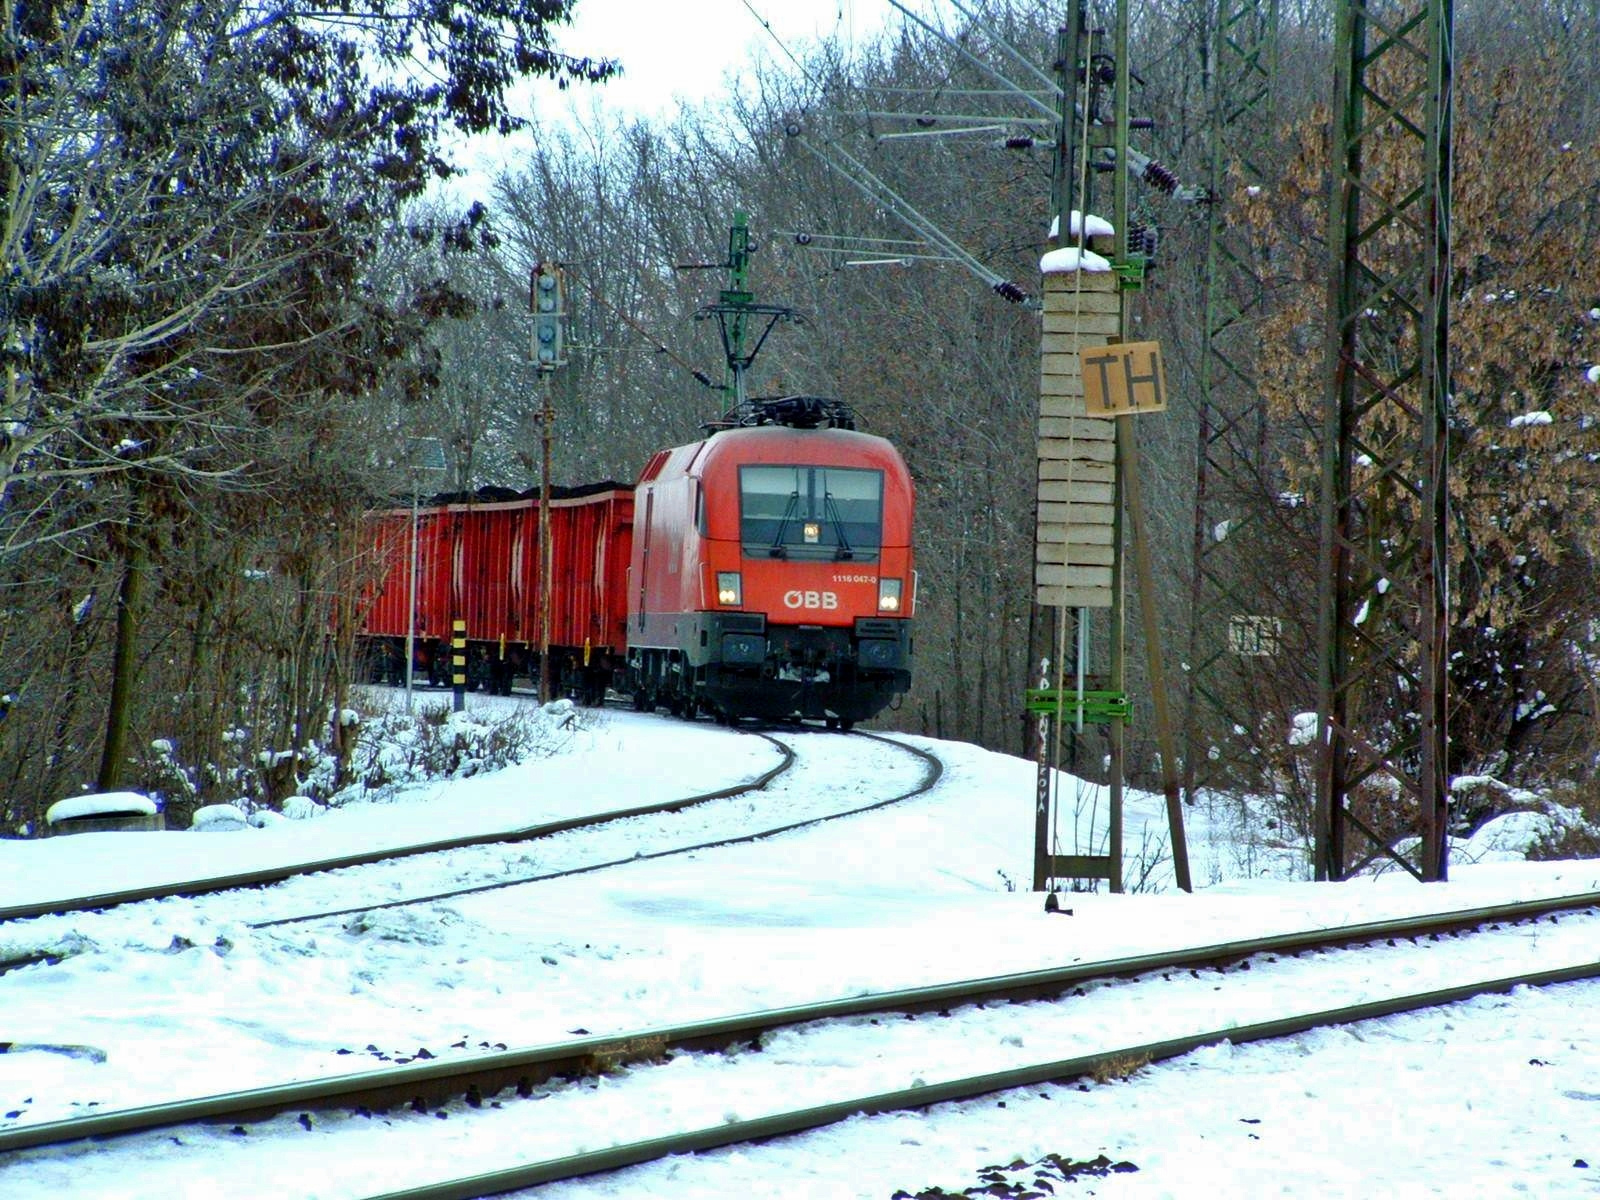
<point x="1491" y="1098"/>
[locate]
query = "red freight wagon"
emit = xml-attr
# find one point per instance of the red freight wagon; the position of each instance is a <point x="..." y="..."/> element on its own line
<point x="479" y="563"/>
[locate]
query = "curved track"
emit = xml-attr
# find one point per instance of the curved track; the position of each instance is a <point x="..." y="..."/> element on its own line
<point x="933" y="769"/>
<point x="424" y="1085"/>
<point x="271" y="875"/>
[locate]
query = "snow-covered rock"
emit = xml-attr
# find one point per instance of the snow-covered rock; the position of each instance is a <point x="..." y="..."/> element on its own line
<point x="302" y="808"/>
<point x="219" y="818"/>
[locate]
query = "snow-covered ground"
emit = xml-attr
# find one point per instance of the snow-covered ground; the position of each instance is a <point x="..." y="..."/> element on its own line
<point x="1496" y="1097"/>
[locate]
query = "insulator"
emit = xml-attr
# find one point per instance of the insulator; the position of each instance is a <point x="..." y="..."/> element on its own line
<point x="1020" y="143"/>
<point x="1010" y="291"/>
<point x="1143" y="239"/>
<point x="1161" y="178"/>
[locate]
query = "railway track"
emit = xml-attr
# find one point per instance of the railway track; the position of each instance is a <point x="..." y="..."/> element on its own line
<point x="268" y="876"/>
<point x="932" y="771"/>
<point x="540" y="1072"/>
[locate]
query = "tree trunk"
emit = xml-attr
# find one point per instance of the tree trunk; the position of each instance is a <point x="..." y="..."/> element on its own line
<point x="119" y="707"/>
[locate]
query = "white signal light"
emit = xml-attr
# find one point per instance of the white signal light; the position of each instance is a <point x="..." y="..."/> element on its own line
<point x="888" y="595"/>
<point x="729" y="589"/>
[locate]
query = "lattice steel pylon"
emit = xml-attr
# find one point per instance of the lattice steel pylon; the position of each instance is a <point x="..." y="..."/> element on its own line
<point x="1382" y="595"/>
<point x="1230" y="466"/>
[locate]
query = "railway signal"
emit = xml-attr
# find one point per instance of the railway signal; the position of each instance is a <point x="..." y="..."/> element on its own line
<point x="549" y="311"/>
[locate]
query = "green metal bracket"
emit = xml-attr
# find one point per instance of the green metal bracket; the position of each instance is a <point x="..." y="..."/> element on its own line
<point x="1130" y="273"/>
<point x="1098" y="707"/>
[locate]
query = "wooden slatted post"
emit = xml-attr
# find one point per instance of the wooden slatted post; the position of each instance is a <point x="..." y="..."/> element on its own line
<point x="1075" y="540"/>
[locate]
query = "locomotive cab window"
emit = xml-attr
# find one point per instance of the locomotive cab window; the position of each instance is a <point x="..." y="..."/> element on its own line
<point x="810" y="512"/>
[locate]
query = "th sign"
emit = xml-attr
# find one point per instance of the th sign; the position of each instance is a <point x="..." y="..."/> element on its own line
<point x="1123" y="378"/>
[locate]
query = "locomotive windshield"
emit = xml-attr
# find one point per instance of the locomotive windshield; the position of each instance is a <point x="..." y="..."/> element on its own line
<point x="810" y="512"/>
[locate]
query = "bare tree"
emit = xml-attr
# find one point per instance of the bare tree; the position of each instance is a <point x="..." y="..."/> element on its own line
<point x="196" y="194"/>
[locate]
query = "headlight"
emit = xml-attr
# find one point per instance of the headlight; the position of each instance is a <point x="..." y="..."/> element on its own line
<point x="888" y="595"/>
<point x="729" y="589"/>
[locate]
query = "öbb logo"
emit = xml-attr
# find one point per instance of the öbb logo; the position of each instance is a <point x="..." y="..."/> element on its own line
<point x="795" y="598"/>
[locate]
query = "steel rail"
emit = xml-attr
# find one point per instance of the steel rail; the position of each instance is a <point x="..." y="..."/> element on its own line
<point x="422" y="1084"/>
<point x="272" y="875"/>
<point x="631" y="1154"/>
<point x="930" y="778"/>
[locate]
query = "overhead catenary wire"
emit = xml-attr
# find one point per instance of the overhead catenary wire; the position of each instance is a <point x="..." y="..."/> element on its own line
<point x="928" y="117"/>
<point x="886" y="250"/>
<point x="894" y="256"/>
<point x="1053" y="87"/>
<point x="964" y="93"/>
<point x="660" y="347"/>
<point x="805" y="237"/>
<point x="879" y="192"/>
<point x="1011" y="88"/>
<point x="773" y="34"/>
<point x="926" y="133"/>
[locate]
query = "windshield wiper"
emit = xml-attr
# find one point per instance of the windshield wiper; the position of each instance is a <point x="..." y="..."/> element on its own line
<point x="778" y="550"/>
<point x="832" y="509"/>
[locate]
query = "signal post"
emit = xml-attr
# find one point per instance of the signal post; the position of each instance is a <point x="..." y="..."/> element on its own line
<point x="548" y="301"/>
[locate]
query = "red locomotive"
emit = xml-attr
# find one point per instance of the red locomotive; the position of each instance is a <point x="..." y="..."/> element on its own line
<point x="771" y="573"/>
<point x="765" y="571"/>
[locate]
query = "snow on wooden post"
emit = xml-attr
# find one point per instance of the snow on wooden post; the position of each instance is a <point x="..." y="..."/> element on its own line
<point x="1073" y="544"/>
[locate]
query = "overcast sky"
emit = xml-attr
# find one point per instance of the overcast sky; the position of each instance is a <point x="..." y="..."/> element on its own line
<point x="681" y="52"/>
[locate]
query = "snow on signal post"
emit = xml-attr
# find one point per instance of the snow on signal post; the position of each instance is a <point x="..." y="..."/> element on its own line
<point x="1122" y="379"/>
